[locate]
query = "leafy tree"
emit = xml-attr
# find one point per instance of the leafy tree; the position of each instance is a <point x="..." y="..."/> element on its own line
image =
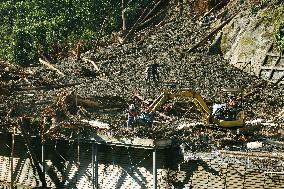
<point x="34" y="27"/>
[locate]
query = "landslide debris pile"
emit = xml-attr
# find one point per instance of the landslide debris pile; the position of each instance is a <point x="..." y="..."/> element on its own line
<point x="84" y="94"/>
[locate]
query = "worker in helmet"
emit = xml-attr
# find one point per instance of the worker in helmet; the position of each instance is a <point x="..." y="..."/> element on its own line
<point x="233" y="108"/>
<point x="152" y="71"/>
<point x="232" y="101"/>
<point x="132" y="114"/>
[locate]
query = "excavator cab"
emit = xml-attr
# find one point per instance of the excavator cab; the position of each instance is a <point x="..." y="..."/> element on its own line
<point x="230" y="114"/>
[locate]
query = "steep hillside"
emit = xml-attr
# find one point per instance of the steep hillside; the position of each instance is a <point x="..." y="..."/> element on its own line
<point x="52" y="99"/>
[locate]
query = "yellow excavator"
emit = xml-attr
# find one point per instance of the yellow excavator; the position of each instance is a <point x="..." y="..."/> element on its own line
<point x="223" y="115"/>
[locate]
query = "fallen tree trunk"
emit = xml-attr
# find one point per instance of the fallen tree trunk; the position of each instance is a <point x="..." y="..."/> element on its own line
<point x="100" y="33"/>
<point x="134" y="27"/>
<point x="151" y="18"/>
<point x="152" y="10"/>
<point x="254" y="89"/>
<point x="277" y="143"/>
<point x="151" y="31"/>
<point x="211" y="34"/>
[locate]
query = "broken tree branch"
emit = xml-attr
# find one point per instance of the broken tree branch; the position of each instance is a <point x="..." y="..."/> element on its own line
<point x="48" y="65"/>
<point x="211" y="10"/>
<point x="92" y="62"/>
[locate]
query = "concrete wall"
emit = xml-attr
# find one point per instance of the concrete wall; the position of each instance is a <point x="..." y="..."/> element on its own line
<point x="248" y="42"/>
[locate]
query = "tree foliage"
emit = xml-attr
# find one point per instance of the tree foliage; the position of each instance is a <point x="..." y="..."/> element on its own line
<point x="34" y="27"/>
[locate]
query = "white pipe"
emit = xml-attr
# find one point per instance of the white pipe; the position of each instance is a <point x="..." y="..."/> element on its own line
<point x="273" y="172"/>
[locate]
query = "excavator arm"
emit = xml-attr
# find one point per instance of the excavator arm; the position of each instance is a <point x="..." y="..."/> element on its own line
<point x="171" y="94"/>
<point x="197" y="99"/>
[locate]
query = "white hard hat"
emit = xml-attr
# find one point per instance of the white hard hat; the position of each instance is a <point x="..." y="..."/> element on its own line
<point x="131" y="107"/>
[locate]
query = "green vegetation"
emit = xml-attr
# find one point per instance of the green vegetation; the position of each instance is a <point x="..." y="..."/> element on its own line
<point x="279" y="26"/>
<point x="34" y="27"/>
<point x="247" y="41"/>
<point x="274" y="15"/>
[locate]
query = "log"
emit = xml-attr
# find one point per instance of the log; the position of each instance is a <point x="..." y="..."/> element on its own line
<point x="211" y="34"/>
<point x="48" y="65"/>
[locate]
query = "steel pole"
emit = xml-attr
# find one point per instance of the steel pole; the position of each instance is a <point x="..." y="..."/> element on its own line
<point x="96" y="166"/>
<point x="93" y="167"/>
<point x="12" y="156"/>
<point x="43" y="158"/>
<point x="154" y="169"/>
